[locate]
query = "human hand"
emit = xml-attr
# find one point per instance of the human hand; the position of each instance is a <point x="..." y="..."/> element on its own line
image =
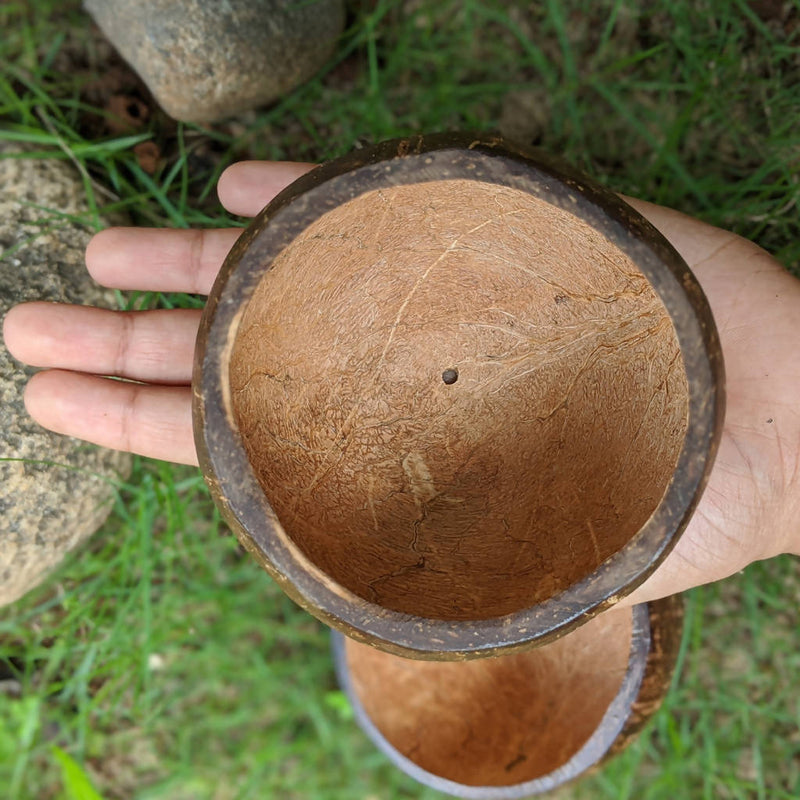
<point x="76" y="345"/>
<point x="750" y="509"/>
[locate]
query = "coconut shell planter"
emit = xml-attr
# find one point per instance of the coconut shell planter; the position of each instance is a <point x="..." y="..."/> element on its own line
<point x="517" y="725"/>
<point x="458" y="400"/>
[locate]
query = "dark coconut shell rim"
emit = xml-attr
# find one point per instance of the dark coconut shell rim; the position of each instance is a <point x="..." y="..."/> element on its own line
<point x="419" y="159"/>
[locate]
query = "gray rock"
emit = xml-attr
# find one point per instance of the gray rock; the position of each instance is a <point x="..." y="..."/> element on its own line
<point x="207" y="59"/>
<point x="55" y="491"/>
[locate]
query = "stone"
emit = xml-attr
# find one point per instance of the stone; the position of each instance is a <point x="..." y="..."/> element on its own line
<point x="204" y="60"/>
<point x="55" y="491"/>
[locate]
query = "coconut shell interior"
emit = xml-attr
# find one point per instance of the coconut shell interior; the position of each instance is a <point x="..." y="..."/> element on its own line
<point x="496" y="721"/>
<point x="458" y="398"/>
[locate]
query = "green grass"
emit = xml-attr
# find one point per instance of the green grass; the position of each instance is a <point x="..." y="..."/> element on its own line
<point x="160" y="662"/>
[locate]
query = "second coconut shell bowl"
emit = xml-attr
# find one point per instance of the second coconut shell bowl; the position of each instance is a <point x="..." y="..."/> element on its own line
<point x="519" y="725"/>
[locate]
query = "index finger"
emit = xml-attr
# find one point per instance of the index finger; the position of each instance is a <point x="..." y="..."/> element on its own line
<point x="245" y="188"/>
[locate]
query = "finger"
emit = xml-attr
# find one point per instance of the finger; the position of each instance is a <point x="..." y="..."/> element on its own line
<point x="245" y="188"/>
<point x="181" y="260"/>
<point x="153" y="421"/>
<point x="159" y="260"/>
<point x="155" y="346"/>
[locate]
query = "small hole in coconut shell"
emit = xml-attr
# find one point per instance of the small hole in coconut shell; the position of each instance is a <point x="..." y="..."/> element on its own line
<point x="450" y="376"/>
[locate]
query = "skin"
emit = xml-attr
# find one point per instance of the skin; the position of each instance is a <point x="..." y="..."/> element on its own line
<point x="749" y="511"/>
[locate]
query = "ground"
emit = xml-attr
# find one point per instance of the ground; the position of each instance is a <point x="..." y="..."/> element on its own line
<point x="160" y="662"/>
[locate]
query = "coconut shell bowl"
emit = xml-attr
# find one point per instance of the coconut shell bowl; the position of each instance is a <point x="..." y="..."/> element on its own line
<point x="458" y="400"/>
<point x="517" y="725"/>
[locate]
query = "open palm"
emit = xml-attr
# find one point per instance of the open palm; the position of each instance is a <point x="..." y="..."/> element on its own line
<point x="749" y="511"/>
